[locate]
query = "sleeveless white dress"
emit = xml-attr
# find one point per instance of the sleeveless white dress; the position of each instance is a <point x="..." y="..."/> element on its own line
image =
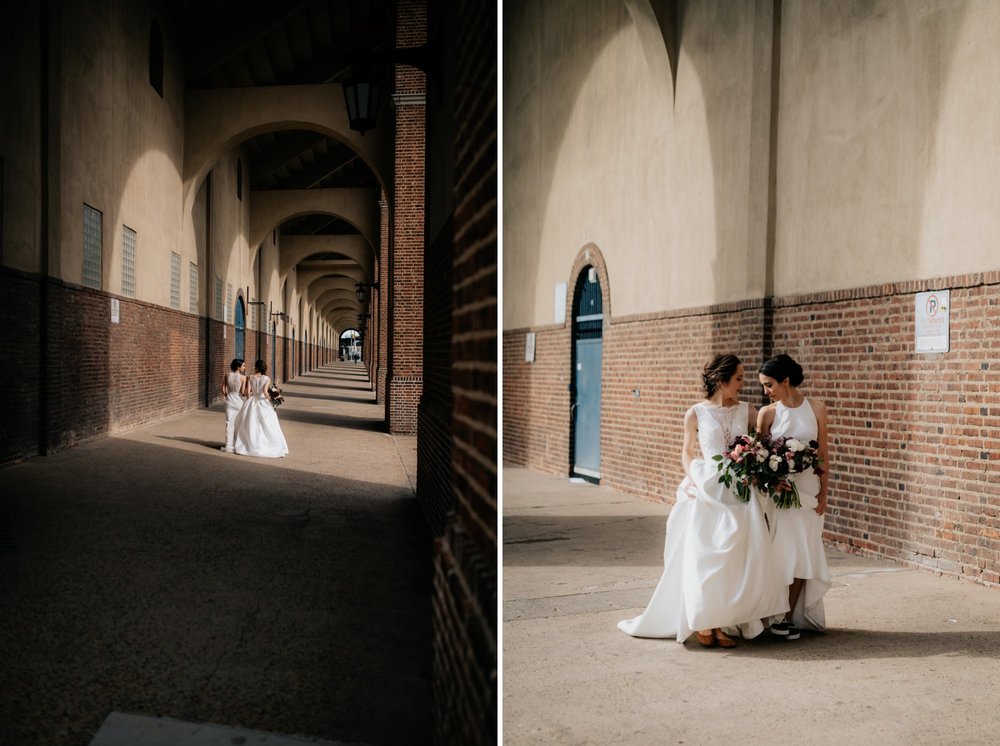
<point x="257" y="430"/>
<point x="234" y="403"/>
<point x="718" y="568"/>
<point x="798" y="532"/>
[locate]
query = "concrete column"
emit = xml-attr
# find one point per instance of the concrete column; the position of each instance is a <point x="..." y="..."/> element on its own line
<point x="406" y="258"/>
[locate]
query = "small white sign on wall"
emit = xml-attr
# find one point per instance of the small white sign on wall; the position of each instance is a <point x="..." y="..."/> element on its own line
<point x="529" y="348"/>
<point x="932" y="314"/>
<point x="560" y="304"/>
<point x="115" y="311"/>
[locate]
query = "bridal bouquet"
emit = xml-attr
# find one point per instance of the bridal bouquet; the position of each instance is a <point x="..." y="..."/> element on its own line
<point x="274" y="394"/>
<point x="742" y="464"/>
<point x="787" y="456"/>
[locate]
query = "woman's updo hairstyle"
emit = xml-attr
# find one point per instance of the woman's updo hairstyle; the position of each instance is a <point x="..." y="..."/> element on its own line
<point x="235" y="365"/>
<point x="781" y="367"/>
<point x="717" y="373"/>
<point x="260" y="366"/>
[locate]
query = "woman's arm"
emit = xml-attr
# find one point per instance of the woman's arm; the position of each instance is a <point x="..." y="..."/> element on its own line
<point x="819" y="409"/>
<point x="751" y="418"/>
<point x="688" y="453"/>
<point x="765" y="418"/>
<point x="225" y="385"/>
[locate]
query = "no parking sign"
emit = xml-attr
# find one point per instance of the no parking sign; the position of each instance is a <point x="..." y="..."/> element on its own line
<point x="932" y="314"/>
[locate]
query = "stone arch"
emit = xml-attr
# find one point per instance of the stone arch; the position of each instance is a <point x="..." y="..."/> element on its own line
<point x="357" y="207"/>
<point x="589" y="256"/>
<point x="217" y="120"/>
<point x="295" y="249"/>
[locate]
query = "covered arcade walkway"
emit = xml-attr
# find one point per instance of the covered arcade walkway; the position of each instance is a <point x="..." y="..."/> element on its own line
<point x="150" y="573"/>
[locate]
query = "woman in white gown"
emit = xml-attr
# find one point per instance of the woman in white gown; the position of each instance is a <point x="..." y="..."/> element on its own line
<point x="798" y="532"/>
<point x="257" y="430"/>
<point x="718" y="570"/>
<point x="232" y="388"/>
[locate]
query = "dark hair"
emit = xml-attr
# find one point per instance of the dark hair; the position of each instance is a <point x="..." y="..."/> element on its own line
<point x="237" y="362"/>
<point x="781" y="367"/>
<point x="260" y="366"/>
<point x="718" y="371"/>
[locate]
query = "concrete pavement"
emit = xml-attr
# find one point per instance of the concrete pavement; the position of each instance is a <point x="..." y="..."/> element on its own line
<point x="152" y="574"/>
<point x="909" y="657"/>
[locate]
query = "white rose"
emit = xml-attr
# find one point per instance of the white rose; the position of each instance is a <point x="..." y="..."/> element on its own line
<point x="773" y="463"/>
<point x="795" y="445"/>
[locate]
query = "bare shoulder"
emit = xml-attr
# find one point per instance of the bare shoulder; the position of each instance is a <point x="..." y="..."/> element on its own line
<point x="766" y="413"/>
<point x="819" y="408"/>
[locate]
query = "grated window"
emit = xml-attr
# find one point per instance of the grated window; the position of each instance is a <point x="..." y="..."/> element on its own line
<point x="193" y="288"/>
<point x="175" y="280"/>
<point x="220" y="310"/>
<point x="128" y="262"/>
<point x="93" y="226"/>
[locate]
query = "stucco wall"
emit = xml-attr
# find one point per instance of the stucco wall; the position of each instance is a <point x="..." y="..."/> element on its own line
<point x="119" y="146"/>
<point x="888" y="143"/>
<point x="19" y="136"/>
<point x="599" y="148"/>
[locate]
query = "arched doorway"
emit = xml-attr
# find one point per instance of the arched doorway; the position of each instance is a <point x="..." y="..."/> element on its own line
<point x="241" y="329"/>
<point x="585" y="398"/>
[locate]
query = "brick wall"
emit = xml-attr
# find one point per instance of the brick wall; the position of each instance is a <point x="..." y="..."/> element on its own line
<point x="464" y="491"/>
<point x="383" y="302"/>
<point x="102" y="377"/>
<point x="154" y="366"/>
<point x="19" y="396"/>
<point x="435" y="458"/>
<point x="910" y="435"/>
<point x="406" y="274"/>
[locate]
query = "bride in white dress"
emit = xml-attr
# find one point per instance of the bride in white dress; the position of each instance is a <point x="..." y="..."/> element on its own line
<point x="233" y="384"/>
<point x="798" y="532"/>
<point x="719" y="575"/>
<point x="258" y="432"/>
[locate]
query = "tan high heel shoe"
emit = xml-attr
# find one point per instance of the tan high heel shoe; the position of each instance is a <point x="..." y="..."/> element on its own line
<point x="724" y="640"/>
<point x="707" y="639"/>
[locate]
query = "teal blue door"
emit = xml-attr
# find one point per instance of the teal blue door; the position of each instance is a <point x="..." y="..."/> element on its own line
<point x="585" y="407"/>
<point x="241" y="330"/>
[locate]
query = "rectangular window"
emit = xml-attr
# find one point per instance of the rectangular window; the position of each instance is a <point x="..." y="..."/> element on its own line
<point x="128" y="262"/>
<point x="253" y="317"/>
<point x="229" y="301"/>
<point x="175" y="280"/>
<point x="193" y="289"/>
<point x="93" y="230"/>
<point x="219" y="309"/>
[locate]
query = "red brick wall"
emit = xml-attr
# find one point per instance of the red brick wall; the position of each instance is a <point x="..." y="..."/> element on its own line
<point x="20" y="393"/>
<point x="154" y="364"/>
<point x="406" y="274"/>
<point x="102" y="377"/>
<point x="457" y="443"/>
<point x="383" y="302"/>
<point x="910" y="435"/>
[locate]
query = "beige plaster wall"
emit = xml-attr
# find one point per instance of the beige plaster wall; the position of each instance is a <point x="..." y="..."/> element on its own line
<point x="889" y="143"/>
<point x="231" y="258"/>
<point x="599" y="148"/>
<point x="19" y="136"/>
<point x="120" y="147"/>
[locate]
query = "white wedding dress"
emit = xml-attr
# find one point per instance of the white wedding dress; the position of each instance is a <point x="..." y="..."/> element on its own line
<point x="718" y="567"/>
<point x="258" y="432"/>
<point x="798" y="532"/>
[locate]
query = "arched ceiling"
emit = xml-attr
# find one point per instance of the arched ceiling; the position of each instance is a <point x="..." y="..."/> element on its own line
<point x="241" y="43"/>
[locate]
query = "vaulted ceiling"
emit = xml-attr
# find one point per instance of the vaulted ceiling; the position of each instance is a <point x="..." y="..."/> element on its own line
<point x="238" y="43"/>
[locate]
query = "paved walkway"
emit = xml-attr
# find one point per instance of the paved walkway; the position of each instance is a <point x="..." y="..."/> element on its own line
<point x="909" y="658"/>
<point x="151" y="574"/>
